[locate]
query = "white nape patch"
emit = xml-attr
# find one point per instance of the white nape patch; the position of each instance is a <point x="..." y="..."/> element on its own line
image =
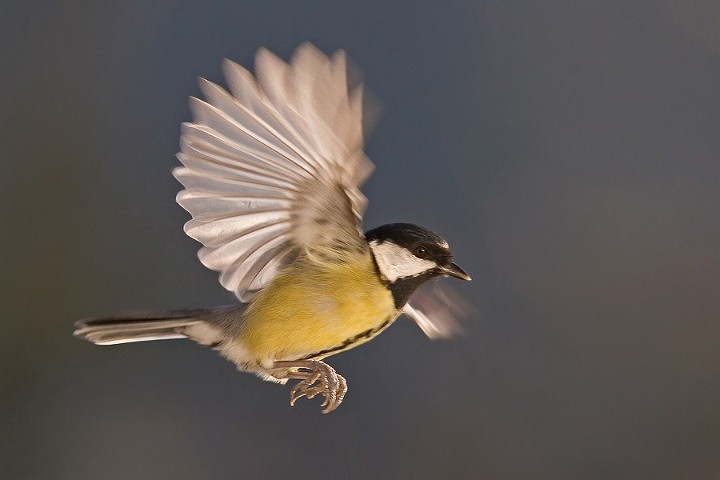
<point x="397" y="262"/>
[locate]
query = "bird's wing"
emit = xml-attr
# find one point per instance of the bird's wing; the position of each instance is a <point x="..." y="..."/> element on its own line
<point x="273" y="167"/>
<point x="438" y="310"/>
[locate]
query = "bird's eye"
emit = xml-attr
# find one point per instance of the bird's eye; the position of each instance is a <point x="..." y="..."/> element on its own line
<point x="420" y="252"/>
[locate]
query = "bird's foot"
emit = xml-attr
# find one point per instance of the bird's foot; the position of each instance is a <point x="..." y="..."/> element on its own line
<point x="316" y="378"/>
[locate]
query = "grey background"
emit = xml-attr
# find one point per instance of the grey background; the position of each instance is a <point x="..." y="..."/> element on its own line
<point x="567" y="150"/>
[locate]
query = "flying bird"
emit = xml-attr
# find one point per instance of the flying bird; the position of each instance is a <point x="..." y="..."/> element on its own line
<point x="272" y="169"/>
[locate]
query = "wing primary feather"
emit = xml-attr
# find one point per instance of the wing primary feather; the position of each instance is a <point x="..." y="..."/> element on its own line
<point x="198" y="161"/>
<point x="228" y="186"/>
<point x="242" y="114"/>
<point x="226" y="127"/>
<point x="244" y="88"/>
<point x="207" y="208"/>
<point x="200" y="136"/>
<point x="220" y="233"/>
<point x="255" y="216"/>
<point x="210" y="256"/>
<point x="218" y="184"/>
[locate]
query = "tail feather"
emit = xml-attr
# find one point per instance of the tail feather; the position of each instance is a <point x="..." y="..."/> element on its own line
<point x="156" y="326"/>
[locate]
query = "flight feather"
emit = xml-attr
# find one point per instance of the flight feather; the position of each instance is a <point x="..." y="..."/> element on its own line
<point x="273" y="165"/>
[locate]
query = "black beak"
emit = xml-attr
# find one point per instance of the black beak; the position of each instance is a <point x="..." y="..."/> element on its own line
<point x="455" y="271"/>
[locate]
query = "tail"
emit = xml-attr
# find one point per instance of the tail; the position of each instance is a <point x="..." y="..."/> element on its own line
<point x="203" y="326"/>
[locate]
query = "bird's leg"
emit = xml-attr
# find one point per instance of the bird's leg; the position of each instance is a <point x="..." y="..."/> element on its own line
<point x="316" y="378"/>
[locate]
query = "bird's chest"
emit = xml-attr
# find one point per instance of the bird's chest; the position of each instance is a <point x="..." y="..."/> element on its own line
<point x="316" y="312"/>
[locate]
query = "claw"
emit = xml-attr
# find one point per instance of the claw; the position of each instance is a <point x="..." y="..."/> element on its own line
<point x="316" y="378"/>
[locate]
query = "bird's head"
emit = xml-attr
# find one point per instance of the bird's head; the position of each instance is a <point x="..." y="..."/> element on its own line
<point x="408" y="255"/>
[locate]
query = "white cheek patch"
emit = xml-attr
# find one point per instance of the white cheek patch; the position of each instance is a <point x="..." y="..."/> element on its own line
<point x="397" y="262"/>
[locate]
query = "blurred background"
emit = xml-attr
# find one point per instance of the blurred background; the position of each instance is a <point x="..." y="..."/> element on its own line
<point x="567" y="150"/>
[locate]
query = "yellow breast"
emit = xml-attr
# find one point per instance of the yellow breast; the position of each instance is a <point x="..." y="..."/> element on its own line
<point x="316" y="309"/>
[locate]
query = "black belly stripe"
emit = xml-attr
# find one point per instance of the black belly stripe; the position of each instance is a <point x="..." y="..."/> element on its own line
<point x="350" y="341"/>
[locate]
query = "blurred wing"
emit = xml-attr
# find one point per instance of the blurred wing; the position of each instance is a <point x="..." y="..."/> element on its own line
<point x="272" y="168"/>
<point x="438" y="310"/>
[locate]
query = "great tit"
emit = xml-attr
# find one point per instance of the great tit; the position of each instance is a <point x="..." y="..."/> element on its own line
<point x="272" y="170"/>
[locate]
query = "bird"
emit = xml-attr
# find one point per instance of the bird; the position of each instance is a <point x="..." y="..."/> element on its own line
<point x="272" y="168"/>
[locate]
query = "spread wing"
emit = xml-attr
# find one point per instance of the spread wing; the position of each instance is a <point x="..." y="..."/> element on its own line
<point x="438" y="310"/>
<point x="272" y="168"/>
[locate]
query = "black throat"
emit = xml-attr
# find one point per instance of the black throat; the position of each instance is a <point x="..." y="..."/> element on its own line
<point x="402" y="288"/>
